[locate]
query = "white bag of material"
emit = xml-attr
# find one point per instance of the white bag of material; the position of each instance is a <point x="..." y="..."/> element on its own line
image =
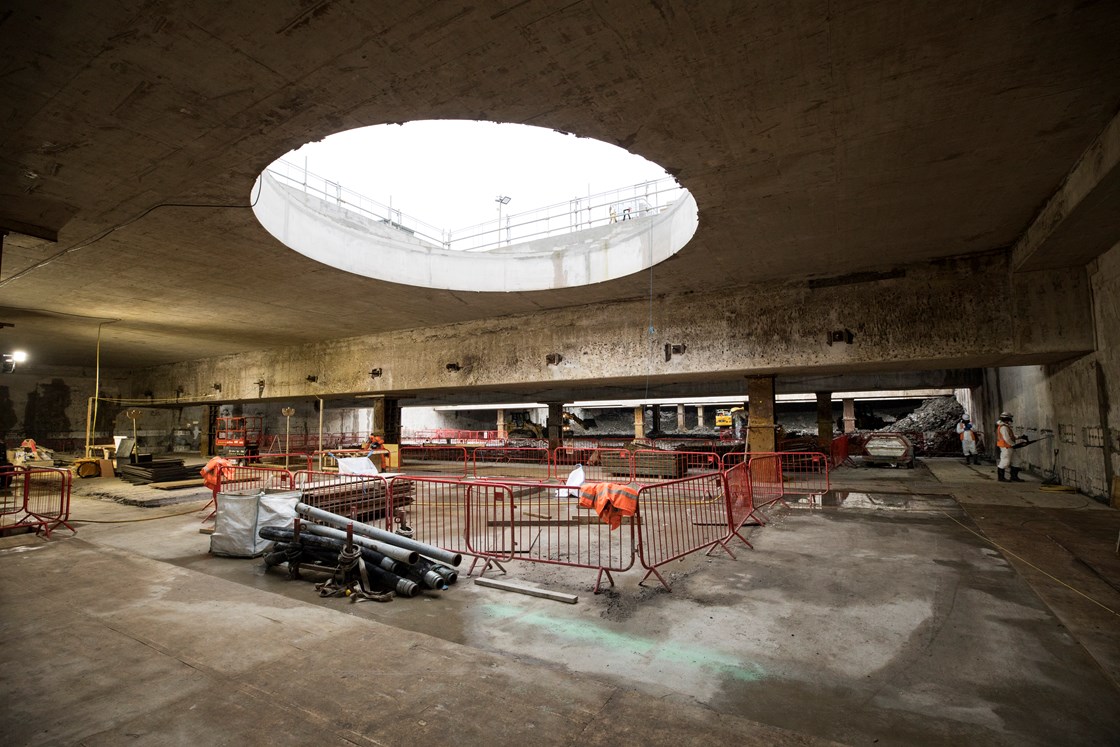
<point x="240" y="515"/>
<point x="356" y="466"/>
<point x="575" y="479"/>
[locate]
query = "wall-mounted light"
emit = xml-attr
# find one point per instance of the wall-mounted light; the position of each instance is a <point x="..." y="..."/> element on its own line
<point x="12" y="359"/>
<point x="671" y="350"/>
<point x="260" y="387"/>
<point x="374" y="373"/>
<point x="312" y="378"/>
<point x="217" y="387"/>
<point x="179" y="391"/>
<point x="841" y="335"/>
<point x="553" y="359"/>
<point x="454" y="367"/>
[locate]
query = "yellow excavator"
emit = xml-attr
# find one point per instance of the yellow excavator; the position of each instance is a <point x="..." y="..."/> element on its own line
<point x="521" y="425"/>
<point x="725" y="418"/>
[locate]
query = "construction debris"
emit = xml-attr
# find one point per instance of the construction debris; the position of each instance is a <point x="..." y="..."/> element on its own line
<point x="556" y="596"/>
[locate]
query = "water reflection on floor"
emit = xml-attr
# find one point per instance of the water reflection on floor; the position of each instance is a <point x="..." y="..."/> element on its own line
<point x="874" y="501"/>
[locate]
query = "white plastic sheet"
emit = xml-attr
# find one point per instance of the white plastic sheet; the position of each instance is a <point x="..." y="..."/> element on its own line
<point x="356" y="466"/>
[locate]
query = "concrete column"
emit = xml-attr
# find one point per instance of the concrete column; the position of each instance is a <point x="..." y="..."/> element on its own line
<point x="824" y="420"/>
<point x="699" y="416"/>
<point x="639" y="422"/>
<point x="501" y="423"/>
<point x="555" y="424"/>
<point x="849" y="415"/>
<point x="387" y="420"/>
<point x="761" y="426"/>
<point x="680" y="419"/>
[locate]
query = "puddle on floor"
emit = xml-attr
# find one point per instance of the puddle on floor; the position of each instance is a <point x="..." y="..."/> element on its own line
<point x="873" y="501"/>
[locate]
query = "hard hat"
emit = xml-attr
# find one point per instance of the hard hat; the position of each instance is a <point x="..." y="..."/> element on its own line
<point x="965" y="416"/>
<point x="1005" y="415"/>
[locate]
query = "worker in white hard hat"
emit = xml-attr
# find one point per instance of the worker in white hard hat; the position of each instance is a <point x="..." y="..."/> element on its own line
<point x="1005" y="440"/>
<point x="968" y="440"/>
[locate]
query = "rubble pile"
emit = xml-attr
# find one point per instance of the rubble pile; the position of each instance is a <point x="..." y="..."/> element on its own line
<point x="936" y="423"/>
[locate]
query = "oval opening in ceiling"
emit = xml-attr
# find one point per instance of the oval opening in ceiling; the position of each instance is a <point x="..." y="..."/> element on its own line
<point x="475" y="206"/>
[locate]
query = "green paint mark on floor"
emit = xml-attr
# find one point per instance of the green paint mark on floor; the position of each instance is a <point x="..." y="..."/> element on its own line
<point x="593" y="635"/>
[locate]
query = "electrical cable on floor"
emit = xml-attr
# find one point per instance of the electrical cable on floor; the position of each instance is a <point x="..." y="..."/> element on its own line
<point x="1020" y="558"/>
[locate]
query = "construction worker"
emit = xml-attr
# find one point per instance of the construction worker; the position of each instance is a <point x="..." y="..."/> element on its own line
<point x="968" y="440"/>
<point x="1005" y="440"/>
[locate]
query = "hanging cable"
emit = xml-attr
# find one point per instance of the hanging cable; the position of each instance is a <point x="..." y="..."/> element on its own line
<point x="98" y="237"/>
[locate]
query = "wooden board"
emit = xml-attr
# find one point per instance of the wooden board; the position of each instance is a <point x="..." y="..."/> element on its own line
<point x="176" y="484"/>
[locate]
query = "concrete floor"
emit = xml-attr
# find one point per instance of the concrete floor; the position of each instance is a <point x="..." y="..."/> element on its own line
<point x="885" y="616"/>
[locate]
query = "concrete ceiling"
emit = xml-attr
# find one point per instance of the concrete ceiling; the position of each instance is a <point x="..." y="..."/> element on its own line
<point x="819" y="138"/>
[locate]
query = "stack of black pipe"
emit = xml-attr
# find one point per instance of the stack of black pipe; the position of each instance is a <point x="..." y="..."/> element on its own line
<point x="315" y="552"/>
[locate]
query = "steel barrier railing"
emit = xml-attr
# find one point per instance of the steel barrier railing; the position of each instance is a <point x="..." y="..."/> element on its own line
<point x="599" y="465"/>
<point x="511" y="461"/>
<point x="680" y="517"/>
<point x="462" y="516"/>
<point x="364" y="498"/>
<point x="673" y="465"/>
<point x="805" y="472"/>
<point x="454" y="460"/>
<point x="765" y="471"/>
<point x="740" y="500"/>
<point x="498" y="519"/>
<point x="547" y="525"/>
<point x="36" y="497"/>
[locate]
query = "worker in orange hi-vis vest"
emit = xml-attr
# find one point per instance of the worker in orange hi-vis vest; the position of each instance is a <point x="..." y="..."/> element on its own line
<point x="1006" y="440"/>
<point x="968" y="440"/>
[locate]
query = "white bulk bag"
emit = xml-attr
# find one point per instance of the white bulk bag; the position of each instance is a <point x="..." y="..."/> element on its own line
<point x="241" y="514"/>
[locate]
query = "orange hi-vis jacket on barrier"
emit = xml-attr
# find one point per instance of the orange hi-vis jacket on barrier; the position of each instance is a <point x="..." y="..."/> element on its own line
<point x="211" y="471"/>
<point x="1005" y="441"/>
<point x="610" y="500"/>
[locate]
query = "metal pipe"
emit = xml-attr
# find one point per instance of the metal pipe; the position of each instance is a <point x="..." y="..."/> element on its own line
<point x="393" y="551"/>
<point x="436" y="553"/>
<point x="325" y="559"/>
<point x="449" y="575"/>
<point x="277" y="534"/>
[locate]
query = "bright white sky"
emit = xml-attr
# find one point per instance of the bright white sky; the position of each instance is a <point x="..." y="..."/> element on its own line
<point x="448" y="173"/>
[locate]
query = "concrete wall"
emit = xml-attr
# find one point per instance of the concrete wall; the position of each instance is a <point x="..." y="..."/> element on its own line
<point x="968" y="312"/>
<point x="48" y="403"/>
<point x="1078" y="399"/>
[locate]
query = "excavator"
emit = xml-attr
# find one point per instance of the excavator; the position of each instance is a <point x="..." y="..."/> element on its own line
<point x="521" y="425"/>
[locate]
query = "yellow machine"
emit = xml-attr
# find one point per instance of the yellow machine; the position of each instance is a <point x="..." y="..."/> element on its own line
<point x="725" y="418"/>
<point x="521" y="425"/>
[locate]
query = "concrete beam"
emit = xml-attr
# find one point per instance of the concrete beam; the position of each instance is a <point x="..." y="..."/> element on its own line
<point x="968" y="313"/>
<point x="1078" y="222"/>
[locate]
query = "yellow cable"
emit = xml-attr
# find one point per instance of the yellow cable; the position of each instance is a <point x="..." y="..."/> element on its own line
<point x="1032" y="565"/>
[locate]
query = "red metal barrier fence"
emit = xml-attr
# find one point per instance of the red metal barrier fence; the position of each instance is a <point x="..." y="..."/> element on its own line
<point x="497" y="519"/>
<point x="653" y="465"/>
<point x="37" y="497"/>
<point x="546" y="524"/>
<point x="253" y="477"/>
<point x="599" y="465"/>
<point x="466" y="517"/>
<point x="740" y="499"/>
<point x="680" y="517"/>
<point x="804" y="472"/>
<point x="765" y="471"/>
<point x="510" y="461"/>
<point x="364" y="498"/>
<point x="444" y="460"/>
<point x="839" y="452"/>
